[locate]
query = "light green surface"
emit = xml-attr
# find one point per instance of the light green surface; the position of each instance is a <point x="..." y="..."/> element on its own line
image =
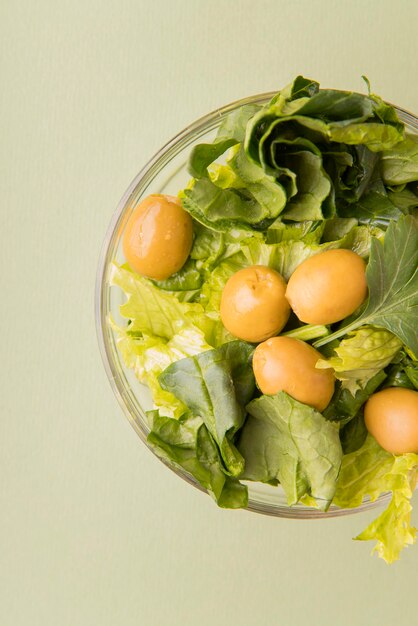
<point x="93" y="529"/>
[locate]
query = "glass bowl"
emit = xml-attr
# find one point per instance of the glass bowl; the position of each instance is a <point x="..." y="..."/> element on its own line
<point x="166" y="173"/>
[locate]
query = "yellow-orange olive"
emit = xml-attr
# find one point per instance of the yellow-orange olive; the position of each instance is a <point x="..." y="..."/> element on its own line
<point x="327" y="287"/>
<point x="285" y="364"/>
<point x="253" y="303"/>
<point x="158" y="237"/>
<point x="391" y="416"/>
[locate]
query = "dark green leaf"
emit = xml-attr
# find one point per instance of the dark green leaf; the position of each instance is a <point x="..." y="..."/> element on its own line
<point x="216" y="385"/>
<point x="344" y="406"/>
<point x="231" y="131"/>
<point x="291" y="442"/>
<point x="354" y="434"/>
<point x="187" y="444"/>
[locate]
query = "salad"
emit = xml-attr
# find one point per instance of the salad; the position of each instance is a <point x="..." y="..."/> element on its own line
<point x="272" y="307"/>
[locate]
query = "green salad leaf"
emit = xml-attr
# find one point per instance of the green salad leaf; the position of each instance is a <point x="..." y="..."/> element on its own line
<point x="216" y="385"/>
<point x="360" y="356"/>
<point x="149" y="356"/>
<point x="400" y="164"/>
<point x="345" y="404"/>
<point x="291" y="443"/>
<point x="187" y="443"/>
<point x="151" y="310"/>
<point x="230" y="132"/>
<point x="371" y="471"/>
<point x="392" y="278"/>
<point x="353" y="434"/>
<point x="312" y="170"/>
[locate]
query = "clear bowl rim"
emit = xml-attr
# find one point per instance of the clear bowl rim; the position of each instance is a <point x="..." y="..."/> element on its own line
<point x="151" y="167"/>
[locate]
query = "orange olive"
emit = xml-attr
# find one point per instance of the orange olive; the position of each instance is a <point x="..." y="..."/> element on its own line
<point x="285" y="364"/>
<point x="391" y="416"/>
<point x="328" y="287"/>
<point x="253" y="303"/>
<point x="158" y="237"/>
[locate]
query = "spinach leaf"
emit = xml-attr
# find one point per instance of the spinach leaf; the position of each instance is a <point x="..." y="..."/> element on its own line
<point x="216" y="385"/>
<point x="353" y="434"/>
<point x="375" y="208"/>
<point x="189" y="278"/>
<point x="392" y="278"/>
<point x="291" y="443"/>
<point x="345" y="405"/>
<point x="403" y="373"/>
<point x="186" y="443"/>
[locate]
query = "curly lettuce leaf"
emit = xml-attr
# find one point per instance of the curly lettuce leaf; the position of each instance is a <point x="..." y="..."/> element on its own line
<point x="216" y="385"/>
<point x="371" y="471"/>
<point x="186" y="443"/>
<point x="360" y="356"/>
<point x="285" y="256"/>
<point x="211" y="294"/>
<point x="149" y="356"/>
<point x="289" y="442"/>
<point x="151" y="310"/>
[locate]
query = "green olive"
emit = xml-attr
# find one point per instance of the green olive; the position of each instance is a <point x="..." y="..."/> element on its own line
<point x="391" y="416"/>
<point x="285" y="364"/>
<point x="328" y="287"/>
<point x="158" y="237"/>
<point x="253" y="303"/>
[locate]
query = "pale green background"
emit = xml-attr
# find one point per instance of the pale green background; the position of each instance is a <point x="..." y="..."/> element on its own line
<point x="94" y="530"/>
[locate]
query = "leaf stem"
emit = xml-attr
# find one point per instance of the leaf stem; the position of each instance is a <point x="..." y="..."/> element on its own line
<point x="339" y="333"/>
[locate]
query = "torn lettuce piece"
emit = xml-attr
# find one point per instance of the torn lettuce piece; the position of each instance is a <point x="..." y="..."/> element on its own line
<point x="361" y="355"/>
<point x="284" y="257"/>
<point x="289" y="442"/>
<point x="186" y="443"/>
<point x="151" y="310"/>
<point x="371" y="471"/>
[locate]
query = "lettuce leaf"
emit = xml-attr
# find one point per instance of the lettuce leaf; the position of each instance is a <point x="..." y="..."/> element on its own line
<point x="151" y="310"/>
<point x="361" y="356"/>
<point x="149" y="356"/>
<point x="289" y="442"/>
<point x="216" y="385"/>
<point x="230" y="132"/>
<point x="371" y="471"/>
<point x="285" y="256"/>
<point x="186" y="443"/>
<point x="400" y="164"/>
